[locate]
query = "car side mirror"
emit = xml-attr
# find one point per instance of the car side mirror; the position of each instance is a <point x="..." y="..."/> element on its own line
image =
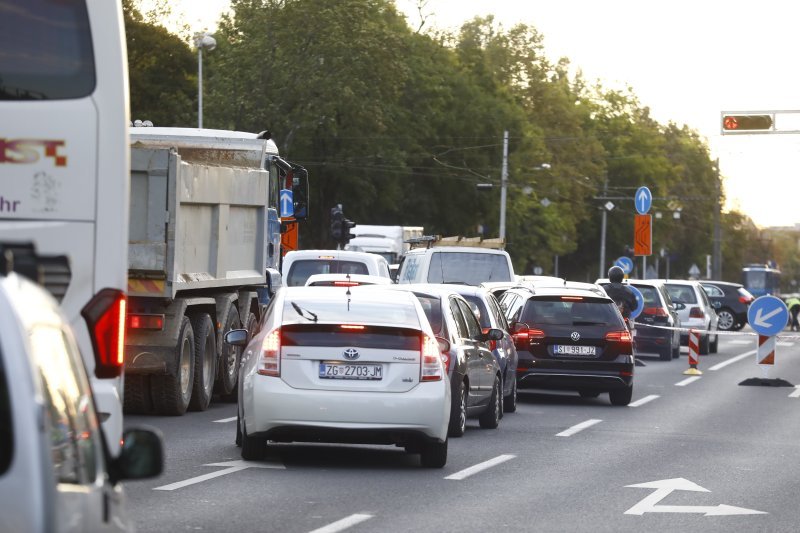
<point x="141" y="456"/>
<point x="236" y="337"/>
<point x="679" y="306"/>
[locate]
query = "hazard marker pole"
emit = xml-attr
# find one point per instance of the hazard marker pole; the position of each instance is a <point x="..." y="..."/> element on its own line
<point x="766" y="354"/>
<point x="694" y="343"/>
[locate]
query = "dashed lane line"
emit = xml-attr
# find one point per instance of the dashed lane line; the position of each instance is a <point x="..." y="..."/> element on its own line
<point x="644" y="400"/>
<point x="480" y="467"/>
<point x="344" y="523"/>
<point x="732" y="360"/>
<point x="224" y="420"/>
<point x="796" y="392"/>
<point x="686" y="381"/>
<point x="578" y="427"/>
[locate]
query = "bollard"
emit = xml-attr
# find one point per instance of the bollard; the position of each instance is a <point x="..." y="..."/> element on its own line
<point x="694" y="343"/>
<point x="766" y="354"/>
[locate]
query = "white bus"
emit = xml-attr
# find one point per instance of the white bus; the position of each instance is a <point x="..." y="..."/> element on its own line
<point x="64" y="172"/>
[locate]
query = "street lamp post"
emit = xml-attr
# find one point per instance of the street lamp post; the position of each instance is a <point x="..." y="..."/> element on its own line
<point x="202" y="40"/>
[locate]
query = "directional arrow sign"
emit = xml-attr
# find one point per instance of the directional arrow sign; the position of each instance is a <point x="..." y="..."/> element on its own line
<point x="643" y="235"/>
<point x="643" y="200"/>
<point x="767" y="315"/>
<point x="639" y="301"/>
<point x="287" y="203"/>
<point x="233" y="466"/>
<point x="665" y="486"/>
<point x="625" y="263"/>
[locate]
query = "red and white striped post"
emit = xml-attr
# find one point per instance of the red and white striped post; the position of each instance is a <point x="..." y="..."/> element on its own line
<point x="766" y="353"/>
<point x="694" y="344"/>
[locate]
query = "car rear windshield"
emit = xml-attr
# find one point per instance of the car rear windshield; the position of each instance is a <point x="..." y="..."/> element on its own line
<point x="555" y="311"/>
<point x="301" y="270"/>
<point x="381" y="337"/>
<point x="682" y="293"/>
<point x="45" y="50"/>
<point x="649" y="295"/>
<point x="468" y="268"/>
<point x="351" y="311"/>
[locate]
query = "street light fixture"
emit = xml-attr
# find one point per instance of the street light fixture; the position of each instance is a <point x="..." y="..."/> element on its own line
<point x="202" y="40"/>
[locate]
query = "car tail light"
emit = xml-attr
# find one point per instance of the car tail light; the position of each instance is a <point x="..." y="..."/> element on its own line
<point x="622" y="337"/>
<point x="152" y="322"/>
<point x="492" y="343"/>
<point x="696" y="312"/>
<point x="345" y="284"/>
<point x="270" y="362"/>
<point x="747" y="300"/>
<point x="655" y="311"/>
<point x="358" y="327"/>
<point x="105" y="317"/>
<point x="430" y="362"/>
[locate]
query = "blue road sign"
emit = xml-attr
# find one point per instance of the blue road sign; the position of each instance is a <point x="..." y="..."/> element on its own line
<point x="625" y="263"/>
<point x="287" y="203"/>
<point x="639" y="301"/>
<point x="643" y="199"/>
<point x="768" y="315"/>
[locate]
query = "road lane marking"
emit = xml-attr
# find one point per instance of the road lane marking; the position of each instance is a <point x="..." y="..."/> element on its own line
<point x="578" y="427"/>
<point x="687" y="381"/>
<point x="732" y="360"/>
<point x="740" y="341"/>
<point x="784" y="343"/>
<point x="344" y="523"/>
<point x="480" y="467"/>
<point x="796" y="392"/>
<point x="233" y="466"/>
<point x="644" y="400"/>
<point x="223" y="420"/>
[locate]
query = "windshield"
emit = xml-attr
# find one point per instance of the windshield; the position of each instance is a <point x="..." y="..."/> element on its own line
<point x="300" y="271"/>
<point x="468" y="268"/>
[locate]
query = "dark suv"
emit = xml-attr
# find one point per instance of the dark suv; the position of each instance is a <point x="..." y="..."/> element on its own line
<point x="731" y="301"/>
<point x="571" y="339"/>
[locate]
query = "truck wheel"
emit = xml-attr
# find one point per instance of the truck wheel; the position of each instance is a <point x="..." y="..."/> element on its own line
<point x="171" y="393"/>
<point x="228" y="372"/>
<point x="252" y="326"/>
<point x="205" y="359"/>
<point x="137" y="394"/>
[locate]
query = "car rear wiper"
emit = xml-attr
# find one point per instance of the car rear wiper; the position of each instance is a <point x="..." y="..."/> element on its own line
<point x="308" y="315"/>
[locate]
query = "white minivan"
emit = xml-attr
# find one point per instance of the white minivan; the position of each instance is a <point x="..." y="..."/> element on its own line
<point x="299" y="265"/>
<point x="464" y="265"/>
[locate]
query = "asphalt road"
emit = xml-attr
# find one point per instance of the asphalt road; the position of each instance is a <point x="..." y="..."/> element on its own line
<point x="711" y="452"/>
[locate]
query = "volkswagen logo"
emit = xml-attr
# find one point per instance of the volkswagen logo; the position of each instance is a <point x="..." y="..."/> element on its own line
<point x="575" y="336"/>
<point x="350" y="353"/>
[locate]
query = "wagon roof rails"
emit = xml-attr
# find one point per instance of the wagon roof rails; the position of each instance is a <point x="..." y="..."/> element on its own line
<point x="430" y="241"/>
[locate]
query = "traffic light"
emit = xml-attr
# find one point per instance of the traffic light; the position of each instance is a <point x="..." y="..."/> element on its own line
<point x="736" y="123"/>
<point x="347" y="225"/>
<point x="337" y="223"/>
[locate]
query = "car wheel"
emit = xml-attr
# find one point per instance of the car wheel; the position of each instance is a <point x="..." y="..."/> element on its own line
<point x="714" y="346"/>
<point x="171" y="393"/>
<point x="704" y="346"/>
<point x="621" y="397"/>
<point x="586" y="393"/>
<point x="458" y="414"/>
<point x="252" y="447"/>
<point x="433" y="454"/>
<point x="490" y="419"/>
<point x="676" y="349"/>
<point x="510" y="401"/>
<point x="228" y="371"/>
<point x="666" y="354"/>
<point x="727" y="322"/>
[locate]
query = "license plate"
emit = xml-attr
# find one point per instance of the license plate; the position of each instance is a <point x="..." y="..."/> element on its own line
<point x="350" y="371"/>
<point x="566" y="349"/>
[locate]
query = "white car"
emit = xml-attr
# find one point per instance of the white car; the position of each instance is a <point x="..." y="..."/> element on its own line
<point x="298" y="265"/>
<point x="698" y="313"/>
<point x="345" y="280"/>
<point x="56" y="471"/>
<point x="356" y="365"/>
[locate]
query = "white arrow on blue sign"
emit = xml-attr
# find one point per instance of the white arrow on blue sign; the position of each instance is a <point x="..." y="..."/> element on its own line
<point x="768" y="315"/>
<point x="643" y="200"/>
<point x="639" y="301"/>
<point x="287" y="203"/>
<point x="625" y="263"/>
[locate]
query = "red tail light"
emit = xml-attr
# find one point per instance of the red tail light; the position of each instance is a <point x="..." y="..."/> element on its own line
<point x="269" y="363"/>
<point x="747" y="300"/>
<point x="352" y="326"/>
<point x="696" y="312"/>
<point x="345" y="284"/>
<point x="430" y="362"/>
<point x="622" y="337"/>
<point x="105" y="317"/>
<point x="152" y="322"/>
<point x="655" y="311"/>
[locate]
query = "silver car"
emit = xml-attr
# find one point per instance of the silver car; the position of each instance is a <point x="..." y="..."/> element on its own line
<point x="698" y="313"/>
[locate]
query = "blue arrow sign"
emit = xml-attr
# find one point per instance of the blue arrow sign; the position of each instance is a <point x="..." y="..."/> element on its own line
<point x="643" y="200"/>
<point x="639" y="301"/>
<point x="625" y="263"/>
<point x="768" y="315"/>
<point x="287" y="203"/>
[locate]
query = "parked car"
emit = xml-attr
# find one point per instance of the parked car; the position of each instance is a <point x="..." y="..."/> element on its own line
<point x="353" y="364"/>
<point x="476" y="382"/>
<point x="571" y="339"/>
<point x="298" y="265"/>
<point x="345" y="280"/>
<point x="490" y="316"/>
<point x="731" y="301"/>
<point x="56" y="471"/>
<point x="698" y="313"/>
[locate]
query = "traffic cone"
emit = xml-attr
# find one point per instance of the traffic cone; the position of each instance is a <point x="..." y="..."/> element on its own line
<point x="694" y="343"/>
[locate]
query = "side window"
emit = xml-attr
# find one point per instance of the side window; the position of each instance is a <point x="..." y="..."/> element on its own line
<point x="72" y="420"/>
<point x="461" y="326"/>
<point x="494" y="308"/>
<point x="469" y="317"/>
<point x="704" y="298"/>
<point x="713" y="291"/>
<point x="512" y="306"/>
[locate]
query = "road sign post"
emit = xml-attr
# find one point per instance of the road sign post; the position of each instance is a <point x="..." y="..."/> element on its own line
<point x="767" y="316"/>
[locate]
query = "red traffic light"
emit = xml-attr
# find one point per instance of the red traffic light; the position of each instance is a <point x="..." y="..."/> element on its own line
<point x="746" y="122"/>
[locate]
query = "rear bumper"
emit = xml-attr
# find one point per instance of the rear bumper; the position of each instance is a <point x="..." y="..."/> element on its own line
<point x="576" y="375"/>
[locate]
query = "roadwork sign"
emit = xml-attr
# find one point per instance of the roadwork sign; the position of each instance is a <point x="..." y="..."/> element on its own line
<point x="643" y="235"/>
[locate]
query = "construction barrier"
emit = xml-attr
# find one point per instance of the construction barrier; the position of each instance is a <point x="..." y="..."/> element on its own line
<point x="694" y="349"/>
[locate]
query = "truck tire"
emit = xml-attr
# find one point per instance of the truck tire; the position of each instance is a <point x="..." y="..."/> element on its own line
<point x="228" y="371"/>
<point x="205" y="360"/>
<point x="252" y="326"/>
<point x="137" y="394"/>
<point x="171" y="393"/>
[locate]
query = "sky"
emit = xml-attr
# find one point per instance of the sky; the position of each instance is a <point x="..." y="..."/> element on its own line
<point x="687" y="60"/>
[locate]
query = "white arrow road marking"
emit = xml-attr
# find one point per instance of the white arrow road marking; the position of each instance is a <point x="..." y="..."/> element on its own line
<point x="480" y="467"/>
<point x="644" y="400"/>
<point x="796" y="392"/>
<point x="732" y="360"/>
<point x="665" y="486"/>
<point x="687" y="381"/>
<point x="344" y="523"/>
<point x="761" y="320"/>
<point x="223" y="420"/>
<point x="233" y="466"/>
<point x="578" y="427"/>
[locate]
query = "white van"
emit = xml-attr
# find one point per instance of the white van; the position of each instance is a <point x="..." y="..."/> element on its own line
<point x="64" y="171"/>
<point x="300" y="264"/>
<point x="455" y="264"/>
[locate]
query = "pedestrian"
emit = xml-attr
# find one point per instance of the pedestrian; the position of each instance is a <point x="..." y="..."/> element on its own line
<point x="793" y="304"/>
<point x="621" y="294"/>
